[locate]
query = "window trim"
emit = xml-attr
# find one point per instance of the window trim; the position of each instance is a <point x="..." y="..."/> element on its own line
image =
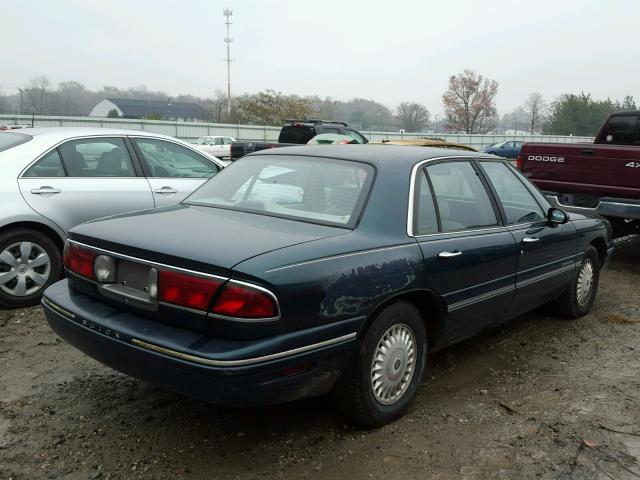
<point x="411" y="226"/>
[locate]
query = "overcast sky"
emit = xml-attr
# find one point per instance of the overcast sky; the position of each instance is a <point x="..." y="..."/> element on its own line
<point x="381" y="50"/>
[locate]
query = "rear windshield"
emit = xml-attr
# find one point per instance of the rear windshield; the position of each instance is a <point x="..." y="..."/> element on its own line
<point x="296" y="134"/>
<point x="620" y="130"/>
<point x="11" y="139"/>
<point x="317" y="190"/>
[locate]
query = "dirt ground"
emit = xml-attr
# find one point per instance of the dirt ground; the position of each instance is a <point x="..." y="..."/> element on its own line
<point x="539" y="397"/>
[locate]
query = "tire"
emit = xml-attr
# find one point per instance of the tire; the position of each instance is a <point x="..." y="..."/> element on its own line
<point x="30" y="261"/>
<point x="575" y="302"/>
<point x="401" y="324"/>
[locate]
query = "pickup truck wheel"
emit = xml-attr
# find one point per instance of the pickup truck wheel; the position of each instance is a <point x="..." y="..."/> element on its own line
<point x="576" y="301"/>
<point x="382" y="381"/>
<point x="29" y="262"/>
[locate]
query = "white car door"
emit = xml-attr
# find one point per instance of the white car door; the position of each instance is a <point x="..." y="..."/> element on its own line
<point x="84" y="179"/>
<point x="173" y="170"/>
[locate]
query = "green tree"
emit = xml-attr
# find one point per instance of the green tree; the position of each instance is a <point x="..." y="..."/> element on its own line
<point x="113" y="113"/>
<point x="628" y="104"/>
<point x="581" y="115"/>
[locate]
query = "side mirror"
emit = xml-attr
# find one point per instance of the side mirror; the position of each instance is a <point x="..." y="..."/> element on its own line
<point x="555" y="215"/>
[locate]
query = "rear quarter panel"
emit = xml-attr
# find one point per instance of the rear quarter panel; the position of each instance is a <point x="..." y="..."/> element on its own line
<point x="338" y="278"/>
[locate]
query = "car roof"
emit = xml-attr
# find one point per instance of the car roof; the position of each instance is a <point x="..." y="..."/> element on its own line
<point x="377" y="154"/>
<point x="61" y="133"/>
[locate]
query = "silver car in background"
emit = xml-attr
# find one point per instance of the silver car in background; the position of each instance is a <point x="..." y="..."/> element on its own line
<point x="52" y="179"/>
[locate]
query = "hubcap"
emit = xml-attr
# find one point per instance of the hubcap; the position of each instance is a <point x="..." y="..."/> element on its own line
<point x="393" y="364"/>
<point x="24" y="269"/>
<point x="585" y="282"/>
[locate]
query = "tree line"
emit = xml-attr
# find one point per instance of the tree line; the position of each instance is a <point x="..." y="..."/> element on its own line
<point x="469" y="104"/>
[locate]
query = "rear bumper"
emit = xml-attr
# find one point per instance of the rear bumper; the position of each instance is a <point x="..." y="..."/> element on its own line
<point x="607" y="206"/>
<point x="277" y="369"/>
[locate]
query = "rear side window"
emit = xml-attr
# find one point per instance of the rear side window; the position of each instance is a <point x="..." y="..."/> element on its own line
<point x="425" y="215"/>
<point x="96" y="157"/>
<point x="620" y="130"/>
<point x="295" y="134"/>
<point x="462" y="200"/>
<point x="11" y="139"/>
<point x="48" y="166"/>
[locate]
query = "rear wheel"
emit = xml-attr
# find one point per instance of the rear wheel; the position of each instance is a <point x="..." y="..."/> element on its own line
<point x="382" y="381"/>
<point x="577" y="300"/>
<point x="29" y="262"/>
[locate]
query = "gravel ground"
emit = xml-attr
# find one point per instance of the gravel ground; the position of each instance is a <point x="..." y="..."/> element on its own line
<point x="539" y="397"/>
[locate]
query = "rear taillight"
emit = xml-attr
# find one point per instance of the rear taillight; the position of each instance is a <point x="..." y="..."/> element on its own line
<point x="186" y="290"/>
<point x="243" y="301"/>
<point x="519" y="161"/>
<point x="79" y="260"/>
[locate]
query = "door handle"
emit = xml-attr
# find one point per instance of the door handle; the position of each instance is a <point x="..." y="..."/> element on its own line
<point x="455" y="253"/>
<point x="43" y="190"/>
<point x="165" y="190"/>
<point x="530" y="240"/>
<point x="588" y="151"/>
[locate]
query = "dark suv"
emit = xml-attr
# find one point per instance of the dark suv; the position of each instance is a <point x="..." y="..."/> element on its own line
<point x="297" y="132"/>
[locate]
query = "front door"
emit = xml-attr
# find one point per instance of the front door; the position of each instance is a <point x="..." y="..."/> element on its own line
<point x="546" y="252"/>
<point x="173" y="170"/>
<point x="470" y="258"/>
<point x="84" y="179"/>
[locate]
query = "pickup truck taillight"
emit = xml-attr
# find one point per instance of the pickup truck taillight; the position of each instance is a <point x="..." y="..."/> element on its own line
<point x="519" y="161"/>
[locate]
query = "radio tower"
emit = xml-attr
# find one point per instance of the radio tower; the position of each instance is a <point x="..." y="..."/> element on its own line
<point x="227" y="13"/>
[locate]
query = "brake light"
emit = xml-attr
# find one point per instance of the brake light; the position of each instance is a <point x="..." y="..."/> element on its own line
<point x="519" y="161"/>
<point x="79" y="260"/>
<point x="243" y="301"/>
<point x="186" y="290"/>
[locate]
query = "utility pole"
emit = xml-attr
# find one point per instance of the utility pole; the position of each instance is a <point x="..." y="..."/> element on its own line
<point x="20" y="109"/>
<point x="228" y="13"/>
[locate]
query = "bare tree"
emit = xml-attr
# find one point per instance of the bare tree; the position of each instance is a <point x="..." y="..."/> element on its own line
<point x="469" y="102"/>
<point x="216" y="107"/>
<point x="535" y="108"/>
<point x="37" y="94"/>
<point x="413" y="117"/>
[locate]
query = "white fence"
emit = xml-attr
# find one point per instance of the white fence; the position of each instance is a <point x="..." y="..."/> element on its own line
<point x="190" y="131"/>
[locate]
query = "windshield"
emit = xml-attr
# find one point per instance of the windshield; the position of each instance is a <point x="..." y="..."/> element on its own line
<point x="318" y="190"/>
<point x="11" y="139"/>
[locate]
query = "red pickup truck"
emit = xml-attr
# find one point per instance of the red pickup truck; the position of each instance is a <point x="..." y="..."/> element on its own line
<point x="601" y="177"/>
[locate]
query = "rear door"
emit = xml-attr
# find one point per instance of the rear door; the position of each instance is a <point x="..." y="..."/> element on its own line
<point x="84" y="179"/>
<point x="546" y="252"/>
<point x="470" y="258"/>
<point x="173" y="170"/>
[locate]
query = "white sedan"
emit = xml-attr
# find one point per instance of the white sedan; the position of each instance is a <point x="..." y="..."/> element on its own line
<point x="218" y="146"/>
<point x="52" y="179"/>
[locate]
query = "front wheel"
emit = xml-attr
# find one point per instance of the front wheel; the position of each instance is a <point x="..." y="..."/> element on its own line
<point x="382" y="381"/>
<point x="576" y="301"/>
<point x="29" y="262"/>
